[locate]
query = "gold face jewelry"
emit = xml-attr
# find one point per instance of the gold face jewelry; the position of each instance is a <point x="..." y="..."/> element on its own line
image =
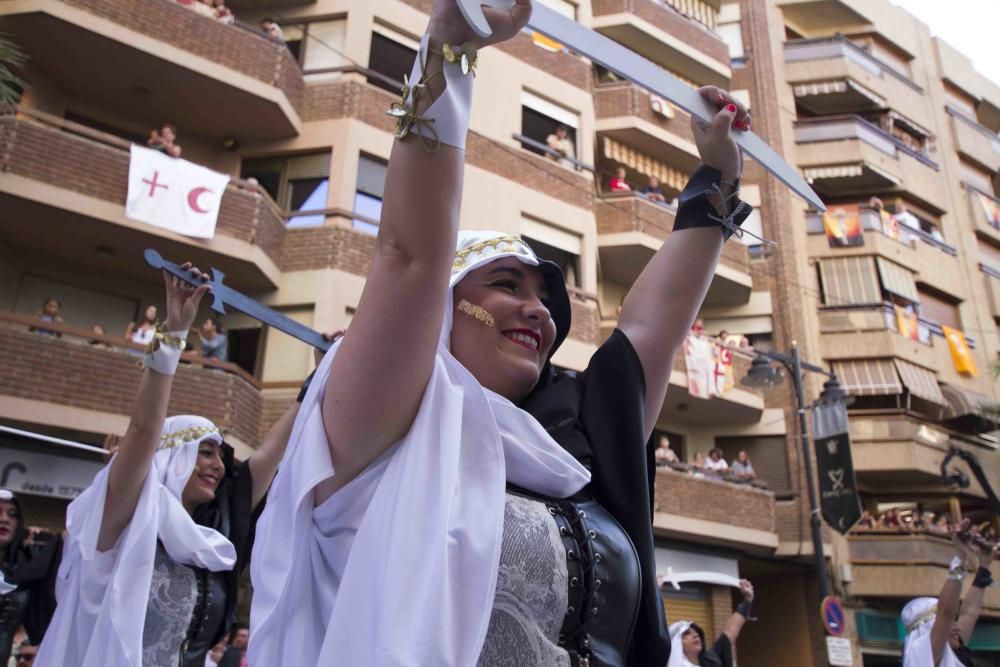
<point x="477" y="312"/>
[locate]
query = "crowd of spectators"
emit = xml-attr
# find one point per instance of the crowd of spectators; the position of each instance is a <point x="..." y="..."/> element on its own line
<point x="213" y="9"/>
<point x="916" y="520"/>
<point x="652" y="190"/>
<point x="741" y="470"/>
<point x="213" y="343"/>
<point x="232" y="650"/>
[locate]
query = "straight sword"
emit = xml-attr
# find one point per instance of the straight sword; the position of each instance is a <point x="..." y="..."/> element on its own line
<point x="644" y="73"/>
<point x="223" y="295"/>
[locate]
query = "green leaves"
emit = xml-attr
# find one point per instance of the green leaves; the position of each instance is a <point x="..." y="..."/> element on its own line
<point x="11" y="60"/>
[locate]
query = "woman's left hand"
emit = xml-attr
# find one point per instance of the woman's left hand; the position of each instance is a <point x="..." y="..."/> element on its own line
<point x="747" y="589"/>
<point x="714" y="140"/>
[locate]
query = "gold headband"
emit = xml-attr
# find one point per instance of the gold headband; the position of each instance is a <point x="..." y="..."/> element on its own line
<point x="490" y="247"/>
<point x="178" y="438"/>
<point x="922" y="618"/>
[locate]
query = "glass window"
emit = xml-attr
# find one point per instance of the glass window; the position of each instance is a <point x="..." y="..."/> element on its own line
<point x="541" y="119"/>
<point x="370" y="207"/>
<point x="940" y="310"/>
<point x="370" y="190"/>
<point x="324" y="48"/>
<point x="296" y="183"/>
<point x="391" y="59"/>
<point x="308" y="194"/>
<point x="567" y="261"/>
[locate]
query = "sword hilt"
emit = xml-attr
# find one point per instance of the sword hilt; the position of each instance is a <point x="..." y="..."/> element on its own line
<point x="155" y="260"/>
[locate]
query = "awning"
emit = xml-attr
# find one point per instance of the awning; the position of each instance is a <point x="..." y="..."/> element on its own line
<point x="962" y="402"/>
<point x="674" y="178"/>
<point x="921" y="382"/>
<point x="868" y="377"/>
<point x="837" y="86"/>
<point x="850" y="281"/>
<point x="837" y="171"/>
<point x="897" y="280"/>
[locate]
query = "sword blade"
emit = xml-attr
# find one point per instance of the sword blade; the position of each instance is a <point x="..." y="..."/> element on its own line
<point x="642" y="72"/>
<point x="223" y="295"/>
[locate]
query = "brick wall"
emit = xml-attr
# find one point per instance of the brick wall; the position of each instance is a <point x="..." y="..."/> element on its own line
<point x="586" y="324"/>
<point x="714" y="500"/>
<point x="234" y="47"/>
<point x="670" y="21"/>
<point x="66" y="373"/>
<point x="625" y="99"/>
<point x="351" y="99"/>
<point x="329" y="247"/>
<point x="69" y="161"/>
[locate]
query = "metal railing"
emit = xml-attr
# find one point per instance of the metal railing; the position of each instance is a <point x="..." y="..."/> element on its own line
<point x="856" y="51"/>
<point x="898" y="143"/>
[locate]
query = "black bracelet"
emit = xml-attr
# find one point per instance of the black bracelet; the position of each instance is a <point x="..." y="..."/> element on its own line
<point x="744" y="609"/>
<point x="983" y="578"/>
<point x="305" y="386"/>
<point x="694" y="209"/>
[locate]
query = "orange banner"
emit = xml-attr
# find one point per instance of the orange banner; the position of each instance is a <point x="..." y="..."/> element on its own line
<point x="961" y="355"/>
<point x="906" y="322"/>
<point x="843" y="226"/>
<point x="890" y="226"/>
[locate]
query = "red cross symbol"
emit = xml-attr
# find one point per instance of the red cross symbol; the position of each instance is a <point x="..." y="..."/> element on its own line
<point x="153" y="184"/>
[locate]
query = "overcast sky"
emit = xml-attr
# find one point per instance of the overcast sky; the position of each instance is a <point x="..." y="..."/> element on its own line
<point x="971" y="26"/>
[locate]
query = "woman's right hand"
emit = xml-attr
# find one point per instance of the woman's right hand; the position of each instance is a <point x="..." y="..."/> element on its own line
<point x="183" y="298"/>
<point x="448" y="25"/>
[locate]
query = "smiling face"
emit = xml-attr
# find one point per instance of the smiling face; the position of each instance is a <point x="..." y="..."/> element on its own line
<point x="509" y="356"/>
<point x="9" y="519"/>
<point x="204" y="480"/>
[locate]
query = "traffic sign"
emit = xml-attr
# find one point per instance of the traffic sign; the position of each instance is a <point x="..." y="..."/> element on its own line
<point x="834" y="619"/>
<point x="839" y="651"/>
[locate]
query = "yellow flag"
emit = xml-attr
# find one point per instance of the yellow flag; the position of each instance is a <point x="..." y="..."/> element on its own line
<point x="961" y="355"/>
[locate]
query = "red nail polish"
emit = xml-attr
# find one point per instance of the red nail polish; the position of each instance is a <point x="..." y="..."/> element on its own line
<point x="731" y="107"/>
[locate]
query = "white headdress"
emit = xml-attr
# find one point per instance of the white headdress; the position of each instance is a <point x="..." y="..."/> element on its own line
<point x="102" y="596"/>
<point x="677" y="630"/>
<point x="399" y="566"/>
<point x="918" y="617"/>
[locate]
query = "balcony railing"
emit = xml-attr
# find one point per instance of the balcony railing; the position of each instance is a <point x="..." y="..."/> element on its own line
<point x="871" y="221"/>
<point x="825" y="48"/>
<point x="68" y="155"/>
<point x="852" y="126"/>
<point x="83" y="370"/>
<point x="843" y="319"/>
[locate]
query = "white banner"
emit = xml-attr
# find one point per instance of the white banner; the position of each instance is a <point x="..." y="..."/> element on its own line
<point x="173" y="194"/>
<point x="45" y="474"/>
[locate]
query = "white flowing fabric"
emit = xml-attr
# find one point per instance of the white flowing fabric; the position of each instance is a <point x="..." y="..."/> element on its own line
<point x="677" y="658"/>
<point x="917" y="651"/>
<point x="399" y="567"/>
<point x="102" y="596"/>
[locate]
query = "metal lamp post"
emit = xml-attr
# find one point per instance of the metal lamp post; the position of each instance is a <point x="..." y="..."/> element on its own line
<point x="832" y="400"/>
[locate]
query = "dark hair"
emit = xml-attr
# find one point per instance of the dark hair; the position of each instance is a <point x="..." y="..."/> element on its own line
<point x="701" y="635"/>
<point x="214" y="319"/>
<point x="233" y="629"/>
<point x="11" y="553"/>
<point x="169" y="126"/>
<point x="50" y="299"/>
<point x="267" y="19"/>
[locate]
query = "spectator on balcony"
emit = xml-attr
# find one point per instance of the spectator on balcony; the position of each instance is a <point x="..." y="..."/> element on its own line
<point x="935" y="234"/>
<point x="272" y="29"/>
<point x="698" y="327"/>
<point x="715" y="463"/>
<point x="165" y="139"/>
<point x="918" y="520"/>
<point x="49" y="313"/>
<point x="688" y="648"/>
<point x="742" y="468"/>
<point x="905" y="218"/>
<point x="223" y="14"/>
<point x="618" y="183"/>
<point x="941" y="526"/>
<point x="891" y="519"/>
<point x="653" y="191"/>
<point x="868" y="521"/>
<point x="875" y="204"/>
<point x="142" y="332"/>
<point x="98" y="330"/>
<point x="214" y="344"/>
<point x="564" y="152"/>
<point x="934" y="637"/>
<point x="664" y="454"/>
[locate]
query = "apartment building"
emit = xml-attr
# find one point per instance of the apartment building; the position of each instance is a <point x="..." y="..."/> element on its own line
<point x="300" y="126"/>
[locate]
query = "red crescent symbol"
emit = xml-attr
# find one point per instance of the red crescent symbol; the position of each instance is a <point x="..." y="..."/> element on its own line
<point x="193" y="200"/>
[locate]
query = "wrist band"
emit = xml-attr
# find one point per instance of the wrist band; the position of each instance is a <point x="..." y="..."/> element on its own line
<point x="164" y="352"/>
<point x="305" y="386"/>
<point x="956" y="563"/>
<point x="446" y="121"/>
<point x="744" y="609"/>
<point x="984" y="578"/>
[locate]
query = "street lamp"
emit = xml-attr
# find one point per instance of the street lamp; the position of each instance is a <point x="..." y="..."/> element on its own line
<point x="833" y="405"/>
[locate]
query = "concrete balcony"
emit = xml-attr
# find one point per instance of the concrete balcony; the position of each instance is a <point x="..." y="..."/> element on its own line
<point x="834" y="76"/>
<point x="895" y="453"/>
<point x="975" y="142"/>
<point x="934" y="262"/>
<point x="665" y="36"/>
<point x="625" y="113"/>
<point x="92" y="387"/>
<point x="823" y="18"/>
<point x="630" y="229"/>
<point x="861" y="158"/>
<point x="737" y="407"/>
<point x="905" y="566"/>
<point x="986" y="224"/>
<point x="714" y="512"/>
<point x="71" y="182"/>
<point x="211" y="79"/>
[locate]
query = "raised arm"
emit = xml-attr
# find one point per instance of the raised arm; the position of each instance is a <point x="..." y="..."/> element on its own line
<point x="948" y="599"/>
<point x="739" y="618"/>
<point x="972" y="603"/>
<point x="662" y="304"/>
<point x="386" y="358"/>
<point x="138" y="446"/>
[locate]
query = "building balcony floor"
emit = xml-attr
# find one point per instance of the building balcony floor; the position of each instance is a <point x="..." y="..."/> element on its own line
<point x="214" y="80"/>
<point x="71" y="183"/>
<point x="714" y="512"/>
